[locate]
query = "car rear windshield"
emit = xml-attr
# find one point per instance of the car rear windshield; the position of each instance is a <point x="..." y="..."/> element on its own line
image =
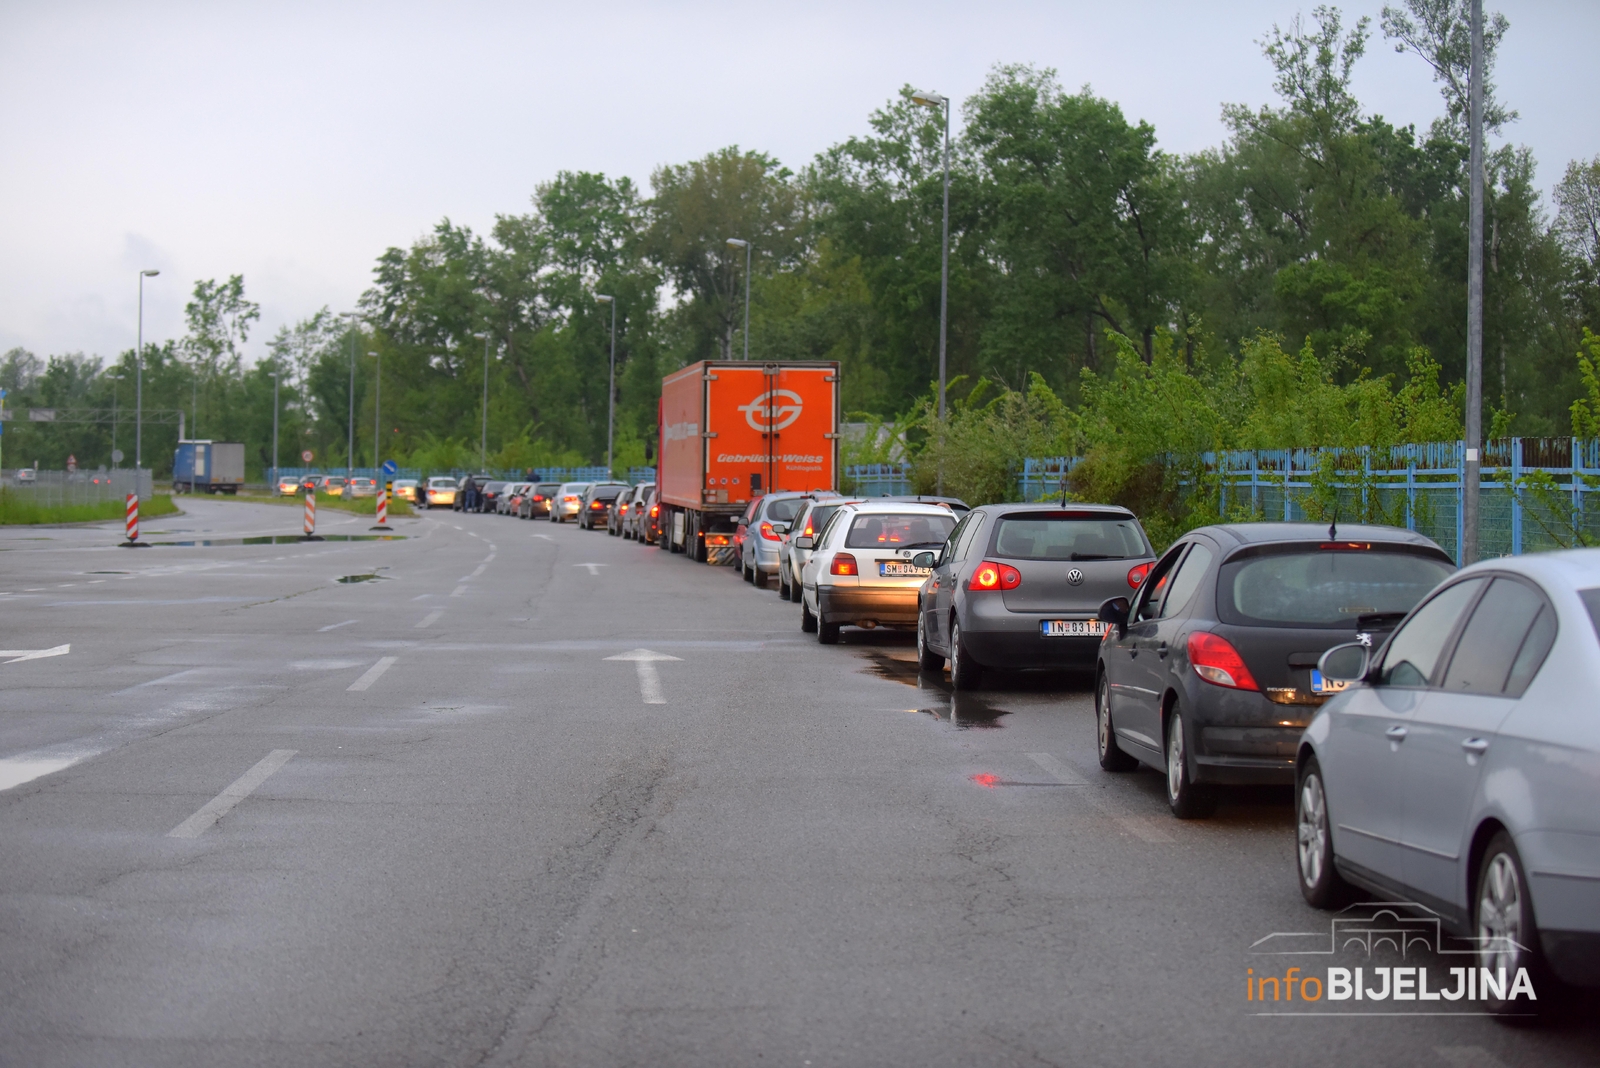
<point x="1324" y="587"/>
<point x="607" y="492"/>
<point x="785" y="510"/>
<point x="819" y="518"/>
<point x="896" y="531"/>
<point x="1064" y="536"/>
<point x="442" y="483"/>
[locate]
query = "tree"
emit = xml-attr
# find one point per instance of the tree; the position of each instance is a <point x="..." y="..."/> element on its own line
<point x="219" y="319"/>
<point x="1440" y="32"/>
<point x="1578" y="228"/>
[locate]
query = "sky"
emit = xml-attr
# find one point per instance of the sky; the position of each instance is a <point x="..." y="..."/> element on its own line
<point x="294" y="142"/>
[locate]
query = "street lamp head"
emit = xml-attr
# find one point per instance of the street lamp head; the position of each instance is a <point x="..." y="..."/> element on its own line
<point x="484" y="336"/>
<point x="735" y="242"/>
<point x="149" y="273"/>
<point x="929" y="99"/>
<point x="604" y="298"/>
<point x="372" y="354"/>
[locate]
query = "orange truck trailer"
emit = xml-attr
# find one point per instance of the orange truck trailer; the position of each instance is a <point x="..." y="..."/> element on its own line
<point x="732" y="430"/>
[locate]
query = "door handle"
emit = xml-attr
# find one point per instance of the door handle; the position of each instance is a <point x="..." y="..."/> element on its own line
<point x="1161" y="650"/>
<point x="1475" y="746"/>
<point x="1396" y="734"/>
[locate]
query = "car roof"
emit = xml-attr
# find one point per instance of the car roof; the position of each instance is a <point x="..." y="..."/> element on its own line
<point x="1268" y="533"/>
<point x="1047" y="505"/>
<point x="1577" y="569"/>
<point x="879" y="506"/>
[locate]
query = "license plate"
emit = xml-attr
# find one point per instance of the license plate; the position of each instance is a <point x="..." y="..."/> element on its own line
<point x="901" y="569"/>
<point x="1322" y="685"/>
<point x="1072" y="628"/>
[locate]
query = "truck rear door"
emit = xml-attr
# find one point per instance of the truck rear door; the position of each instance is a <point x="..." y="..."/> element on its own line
<point x="773" y="428"/>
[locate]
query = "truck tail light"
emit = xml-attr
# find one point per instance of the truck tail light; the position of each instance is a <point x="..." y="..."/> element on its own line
<point x="1137" y="573"/>
<point x="768" y="533"/>
<point x="843" y="564"/>
<point x="993" y="576"/>
<point x="1215" y="659"/>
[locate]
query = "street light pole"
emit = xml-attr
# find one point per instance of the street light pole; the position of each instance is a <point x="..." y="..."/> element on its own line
<point x="735" y="242"/>
<point x="138" y="363"/>
<point x="377" y="411"/>
<point x="611" y="383"/>
<point x="275" y="376"/>
<point x="350" y="455"/>
<point x="483" y="444"/>
<point x="1474" y="414"/>
<point x="936" y="100"/>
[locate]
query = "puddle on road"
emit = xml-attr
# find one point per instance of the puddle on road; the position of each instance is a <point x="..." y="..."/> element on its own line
<point x="969" y="712"/>
<point x="108" y="572"/>
<point x="281" y="539"/>
<point x="360" y="578"/>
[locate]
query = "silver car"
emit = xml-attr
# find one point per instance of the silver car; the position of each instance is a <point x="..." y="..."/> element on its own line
<point x="806" y="525"/>
<point x="1460" y="768"/>
<point x="768" y="521"/>
<point x="567" y="502"/>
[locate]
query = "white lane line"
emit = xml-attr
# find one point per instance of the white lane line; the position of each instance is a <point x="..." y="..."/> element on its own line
<point x="644" y="660"/>
<point x="476" y="573"/>
<point x="422" y="597"/>
<point x="430" y="619"/>
<point x="1057" y="770"/>
<point x="237" y="791"/>
<point x="546" y="537"/>
<point x="458" y="591"/>
<point x="335" y="626"/>
<point x="373" y="672"/>
<point x="14" y="771"/>
<point x="1143" y="828"/>
<point x="35" y="654"/>
<point x="174" y="677"/>
<point x="594" y="569"/>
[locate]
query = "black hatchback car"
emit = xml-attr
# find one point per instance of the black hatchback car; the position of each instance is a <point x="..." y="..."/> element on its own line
<point x="1209" y="674"/>
<point x="1019" y="586"/>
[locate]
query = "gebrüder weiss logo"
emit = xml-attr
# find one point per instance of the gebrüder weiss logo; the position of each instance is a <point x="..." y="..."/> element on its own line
<point x="772" y="410"/>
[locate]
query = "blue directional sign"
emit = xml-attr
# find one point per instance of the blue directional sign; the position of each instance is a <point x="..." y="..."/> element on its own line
<point x="390" y="467"/>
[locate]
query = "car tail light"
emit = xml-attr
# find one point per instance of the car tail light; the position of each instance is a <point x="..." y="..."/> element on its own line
<point x="1138" y="572"/>
<point x="597" y="504"/>
<point x="993" y="576"/>
<point x="569" y="498"/>
<point x="843" y="564"/>
<point x="655" y="510"/>
<point x="1215" y="659"/>
<point x="768" y="533"/>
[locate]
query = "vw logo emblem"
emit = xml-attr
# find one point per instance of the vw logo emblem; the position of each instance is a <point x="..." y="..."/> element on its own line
<point x="1075" y="577"/>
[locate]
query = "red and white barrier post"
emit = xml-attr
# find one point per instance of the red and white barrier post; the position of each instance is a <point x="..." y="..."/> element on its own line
<point x="311" y="511"/>
<point x="132" y="519"/>
<point x="383" y="506"/>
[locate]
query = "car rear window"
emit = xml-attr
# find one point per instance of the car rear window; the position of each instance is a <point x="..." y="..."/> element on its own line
<point x="897" y="531"/>
<point x="785" y="510"/>
<point x="1324" y="587"/>
<point x="1064" y="536"/>
<point x="819" y="518"/>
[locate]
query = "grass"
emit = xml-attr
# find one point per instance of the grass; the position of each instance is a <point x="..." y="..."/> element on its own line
<point x="17" y="509"/>
<point x="357" y="505"/>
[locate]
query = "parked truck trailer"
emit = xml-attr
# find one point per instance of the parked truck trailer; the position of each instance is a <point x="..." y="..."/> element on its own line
<point x="731" y="430"/>
<point x="208" y="466"/>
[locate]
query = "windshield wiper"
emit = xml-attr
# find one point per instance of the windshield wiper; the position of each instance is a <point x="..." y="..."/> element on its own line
<point x="1094" y="556"/>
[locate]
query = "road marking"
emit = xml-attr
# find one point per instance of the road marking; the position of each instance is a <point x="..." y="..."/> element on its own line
<point x="384" y="664"/>
<point x="422" y="597"/>
<point x="14" y="771"/>
<point x="594" y="569"/>
<point x="1143" y="827"/>
<point x="175" y="676"/>
<point x="458" y="591"/>
<point x="35" y="654"/>
<point x="335" y="626"/>
<point x="546" y="537"/>
<point x="237" y="791"/>
<point x="649" y="681"/>
<point x="476" y="573"/>
<point x="1057" y="770"/>
<point x="430" y="619"/>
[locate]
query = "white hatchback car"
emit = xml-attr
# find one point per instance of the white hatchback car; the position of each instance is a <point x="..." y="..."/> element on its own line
<point x="860" y="572"/>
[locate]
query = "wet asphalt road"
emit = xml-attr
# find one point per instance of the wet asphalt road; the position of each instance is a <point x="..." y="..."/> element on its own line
<point x="429" y="818"/>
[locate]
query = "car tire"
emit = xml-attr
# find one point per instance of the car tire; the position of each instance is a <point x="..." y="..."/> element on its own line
<point x="808" y="622"/>
<point x="965" y="672"/>
<point x="828" y="633"/>
<point x="927" y="659"/>
<point x="758" y="578"/>
<point x="1503" y="921"/>
<point x="784" y="589"/>
<point x="1112" y="758"/>
<point x="1320" y="882"/>
<point x="1187" y="799"/>
<point x="744" y="573"/>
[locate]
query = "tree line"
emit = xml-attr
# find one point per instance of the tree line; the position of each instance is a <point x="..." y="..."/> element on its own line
<point x="1076" y="244"/>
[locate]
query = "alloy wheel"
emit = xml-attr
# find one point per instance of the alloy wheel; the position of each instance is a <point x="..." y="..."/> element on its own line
<point x="1500" y="933"/>
<point x="1312" y="831"/>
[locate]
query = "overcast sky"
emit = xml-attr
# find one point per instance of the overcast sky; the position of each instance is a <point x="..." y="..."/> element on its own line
<point x="293" y="142"/>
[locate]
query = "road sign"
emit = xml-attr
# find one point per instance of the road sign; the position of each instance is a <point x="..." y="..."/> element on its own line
<point x="306" y="456"/>
<point x="72" y="462"/>
<point x="390" y="468"/>
<point x="116" y="456"/>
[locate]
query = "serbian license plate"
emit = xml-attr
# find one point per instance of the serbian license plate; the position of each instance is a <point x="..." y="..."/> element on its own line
<point x="1322" y="685"/>
<point x="1072" y="628"/>
<point x="901" y="569"/>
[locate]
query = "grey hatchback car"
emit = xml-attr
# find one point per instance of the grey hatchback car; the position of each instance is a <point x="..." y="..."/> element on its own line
<point x="1019" y="586"/>
<point x="1460" y="769"/>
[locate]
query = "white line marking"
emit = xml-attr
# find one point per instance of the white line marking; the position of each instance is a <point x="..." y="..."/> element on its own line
<point x="546" y="537"/>
<point x="237" y="791"/>
<point x="649" y="681"/>
<point x="476" y="573"/>
<point x="1141" y="827"/>
<point x="14" y="771"/>
<point x="1057" y="770"/>
<point x="458" y="591"/>
<point x="594" y="569"/>
<point x="422" y="597"/>
<point x="175" y="676"/>
<point x="35" y="654"/>
<point x="335" y="626"/>
<point x="384" y="664"/>
<point x="430" y="619"/>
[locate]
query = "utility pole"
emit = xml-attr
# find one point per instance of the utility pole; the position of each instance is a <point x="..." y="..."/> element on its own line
<point x="1474" y="413"/>
<point x="929" y="99"/>
<point x="483" y="443"/>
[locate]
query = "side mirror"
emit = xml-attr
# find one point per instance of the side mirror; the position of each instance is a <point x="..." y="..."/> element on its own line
<point x="1345" y="663"/>
<point x="1114" y="612"/>
<point x="803" y="543"/>
<point x="925" y="559"/>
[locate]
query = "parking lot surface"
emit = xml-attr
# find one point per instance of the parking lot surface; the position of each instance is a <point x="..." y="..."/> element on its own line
<point x="509" y="793"/>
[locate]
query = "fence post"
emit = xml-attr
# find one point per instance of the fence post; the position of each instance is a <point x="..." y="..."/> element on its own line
<point x="1461" y="496"/>
<point x="1516" y="499"/>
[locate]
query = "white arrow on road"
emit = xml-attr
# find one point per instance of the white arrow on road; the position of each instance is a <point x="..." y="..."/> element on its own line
<point x="649" y="681"/>
<point x="35" y="654"/>
<point x="594" y="569"/>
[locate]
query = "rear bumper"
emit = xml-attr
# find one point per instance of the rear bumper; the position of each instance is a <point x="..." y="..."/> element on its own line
<point x="888" y="606"/>
<point x="1001" y="638"/>
<point x="766" y="554"/>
